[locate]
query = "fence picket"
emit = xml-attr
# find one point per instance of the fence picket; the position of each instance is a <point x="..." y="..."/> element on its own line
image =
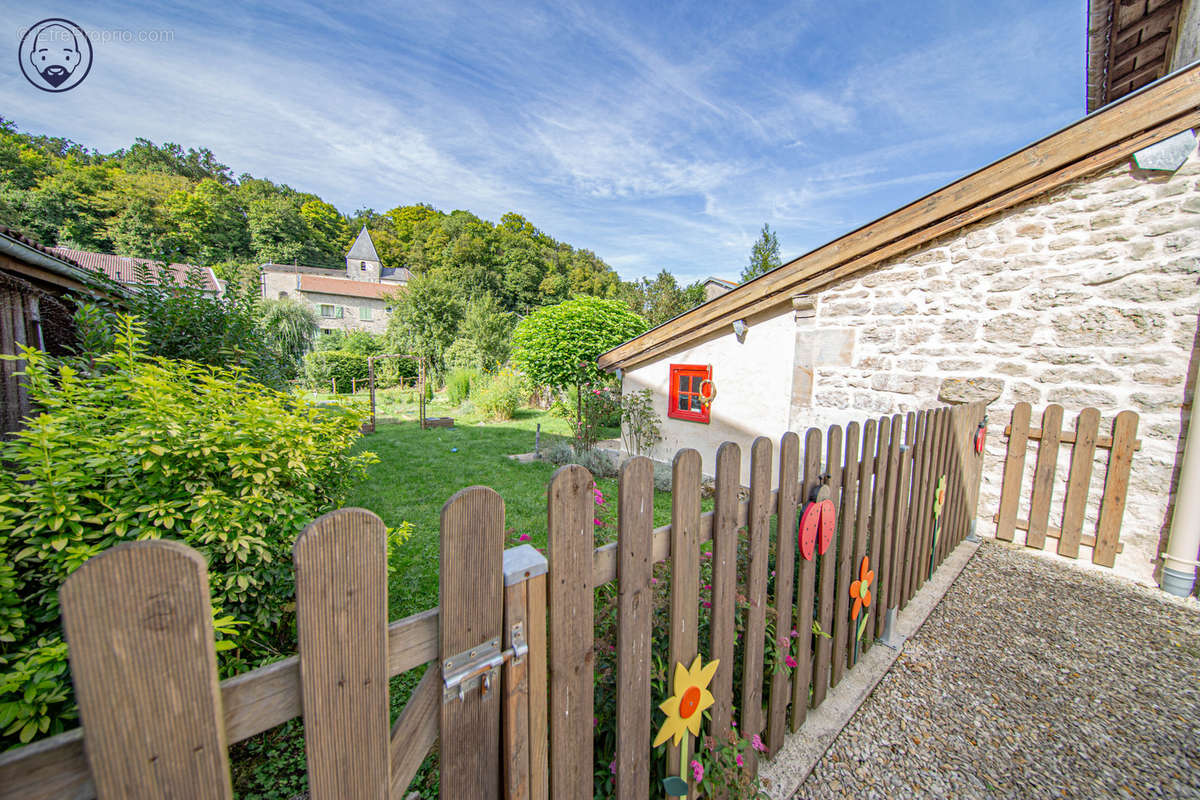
<point x="634" y="626"/>
<point x="822" y="664"/>
<point x="571" y="621"/>
<point x="139" y="624"/>
<point x="879" y="517"/>
<point x="785" y="570"/>
<point x="802" y="624"/>
<point x="472" y="607"/>
<point x="866" y="474"/>
<point x="1043" y="477"/>
<point x="888" y="529"/>
<point x="758" y="533"/>
<point x="1079" y="479"/>
<point x="1116" y="484"/>
<point x="724" y="571"/>
<point x="944" y="477"/>
<point x="341" y="628"/>
<point x="898" y="599"/>
<point x="1014" y="470"/>
<point x="916" y="521"/>
<point x="845" y="552"/>
<point x="685" y="569"/>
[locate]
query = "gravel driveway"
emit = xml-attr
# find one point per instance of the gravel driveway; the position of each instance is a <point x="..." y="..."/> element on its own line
<point x="1031" y="679"/>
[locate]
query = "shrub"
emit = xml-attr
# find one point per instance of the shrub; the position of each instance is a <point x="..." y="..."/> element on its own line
<point x="144" y="448"/>
<point x="458" y="384"/>
<point x="558" y="345"/>
<point x="594" y="461"/>
<point x="640" y="430"/>
<point x="500" y="396"/>
<point x="322" y="367"/>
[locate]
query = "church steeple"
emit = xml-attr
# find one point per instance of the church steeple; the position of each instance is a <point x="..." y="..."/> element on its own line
<point x="362" y="262"/>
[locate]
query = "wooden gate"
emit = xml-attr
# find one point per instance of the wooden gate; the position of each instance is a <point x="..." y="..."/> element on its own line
<point x="1084" y="441"/>
<point x="513" y="710"/>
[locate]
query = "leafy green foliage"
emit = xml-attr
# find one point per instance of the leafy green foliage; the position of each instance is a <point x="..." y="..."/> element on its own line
<point x="640" y="422"/>
<point x="558" y="346"/>
<point x="424" y="319"/>
<point x="488" y="328"/>
<point x="764" y="256"/>
<point x="458" y="384"/>
<point x="662" y="298"/>
<point x="499" y="397"/>
<point x="140" y="447"/>
<point x="289" y="326"/>
<point x="321" y="368"/>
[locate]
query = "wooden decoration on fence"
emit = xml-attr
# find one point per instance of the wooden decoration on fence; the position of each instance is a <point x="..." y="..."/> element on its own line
<point x="939" y="499"/>
<point x="817" y="523"/>
<point x="860" y="590"/>
<point x="685" y="711"/>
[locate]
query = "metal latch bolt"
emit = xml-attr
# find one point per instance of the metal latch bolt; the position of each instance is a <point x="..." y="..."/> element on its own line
<point x="477" y="667"/>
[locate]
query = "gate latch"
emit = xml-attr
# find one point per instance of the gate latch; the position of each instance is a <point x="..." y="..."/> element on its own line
<point x="478" y="667"/>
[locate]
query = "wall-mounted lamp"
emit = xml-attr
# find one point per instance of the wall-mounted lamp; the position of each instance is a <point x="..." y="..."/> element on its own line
<point x="739" y="329"/>
<point x="620" y="374"/>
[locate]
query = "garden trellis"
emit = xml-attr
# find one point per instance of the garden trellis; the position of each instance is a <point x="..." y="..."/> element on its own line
<point x="510" y="681"/>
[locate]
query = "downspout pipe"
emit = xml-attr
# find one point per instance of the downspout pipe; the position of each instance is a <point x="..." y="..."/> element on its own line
<point x="1183" y="547"/>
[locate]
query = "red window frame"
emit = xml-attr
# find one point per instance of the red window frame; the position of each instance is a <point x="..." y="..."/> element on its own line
<point x="695" y="411"/>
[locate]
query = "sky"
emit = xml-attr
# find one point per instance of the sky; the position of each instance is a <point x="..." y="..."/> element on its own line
<point x="659" y="136"/>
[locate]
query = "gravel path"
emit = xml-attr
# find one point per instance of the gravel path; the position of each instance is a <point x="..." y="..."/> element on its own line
<point x="1031" y="679"/>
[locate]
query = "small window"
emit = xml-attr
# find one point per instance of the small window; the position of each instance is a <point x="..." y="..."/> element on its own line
<point x="362" y="265"/>
<point x="364" y="313"/>
<point x="341" y="312"/>
<point x="282" y="295"/>
<point x="327" y="310"/>
<point x="687" y="392"/>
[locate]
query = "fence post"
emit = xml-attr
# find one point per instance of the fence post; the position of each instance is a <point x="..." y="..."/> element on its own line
<point x="685" y="573"/>
<point x="139" y="626"/>
<point x="570" y="511"/>
<point x="524" y="686"/>
<point x="470" y="629"/>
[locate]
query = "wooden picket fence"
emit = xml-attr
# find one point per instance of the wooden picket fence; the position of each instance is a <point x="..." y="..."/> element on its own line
<point x="1084" y="441"/>
<point x="508" y="687"/>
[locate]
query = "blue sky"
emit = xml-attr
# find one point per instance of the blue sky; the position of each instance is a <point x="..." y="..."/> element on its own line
<point x="659" y="136"/>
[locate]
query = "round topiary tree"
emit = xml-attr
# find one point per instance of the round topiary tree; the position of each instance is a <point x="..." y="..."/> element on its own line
<point x="557" y="346"/>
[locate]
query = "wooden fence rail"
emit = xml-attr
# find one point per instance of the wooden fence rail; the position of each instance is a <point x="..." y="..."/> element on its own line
<point x="1084" y="441"/>
<point x="510" y="681"/>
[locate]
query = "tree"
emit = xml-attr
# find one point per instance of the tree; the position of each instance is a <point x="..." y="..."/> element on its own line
<point x="488" y="330"/>
<point x="557" y="346"/>
<point x="424" y="320"/>
<point x="289" y="326"/>
<point x="764" y="256"/>
<point x="662" y="298"/>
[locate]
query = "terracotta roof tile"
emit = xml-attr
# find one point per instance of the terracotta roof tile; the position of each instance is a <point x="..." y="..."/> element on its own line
<point x="124" y="268"/>
<point x="345" y="286"/>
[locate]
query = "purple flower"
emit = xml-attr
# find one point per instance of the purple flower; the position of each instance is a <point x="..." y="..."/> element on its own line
<point x="794" y="633"/>
<point x="757" y="744"/>
<point x="596" y="521"/>
<point x="612" y="766"/>
<point x="697" y="771"/>
<point x="791" y="662"/>
<point x="706" y="604"/>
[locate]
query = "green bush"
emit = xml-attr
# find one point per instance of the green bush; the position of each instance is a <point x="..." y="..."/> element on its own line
<point x="142" y="448"/>
<point x="321" y="367"/>
<point x="458" y="384"/>
<point x="499" y="396"/>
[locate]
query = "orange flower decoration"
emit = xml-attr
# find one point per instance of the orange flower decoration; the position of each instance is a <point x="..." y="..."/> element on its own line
<point x="860" y="590"/>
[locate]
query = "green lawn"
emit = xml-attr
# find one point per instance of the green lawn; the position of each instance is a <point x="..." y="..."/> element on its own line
<point x="419" y="470"/>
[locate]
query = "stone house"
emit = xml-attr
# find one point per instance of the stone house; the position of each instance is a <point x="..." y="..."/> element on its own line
<point x="345" y="300"/>
<point x="1064" y="273"/>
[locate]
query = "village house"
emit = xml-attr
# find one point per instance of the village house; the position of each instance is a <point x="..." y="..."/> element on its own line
<point x="344" y="300"/>
<point x="1065" y="273"/>
<point x="132" y="272"/>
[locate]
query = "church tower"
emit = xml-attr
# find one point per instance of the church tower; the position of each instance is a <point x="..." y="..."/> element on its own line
<point x="362" y="262"/>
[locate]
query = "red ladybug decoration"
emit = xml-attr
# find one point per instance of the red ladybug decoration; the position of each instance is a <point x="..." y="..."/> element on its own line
<point x="817" y="524"/>
<point x="981" y="436"/>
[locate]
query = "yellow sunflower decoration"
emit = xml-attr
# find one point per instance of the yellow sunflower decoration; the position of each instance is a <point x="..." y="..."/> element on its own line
<point x="685" y="708"/>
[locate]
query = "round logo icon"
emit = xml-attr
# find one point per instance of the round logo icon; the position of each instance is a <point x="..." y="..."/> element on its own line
<point x="55" y="55"/>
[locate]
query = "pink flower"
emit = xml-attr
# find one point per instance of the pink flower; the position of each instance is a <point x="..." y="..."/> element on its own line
<point x="697" y="771"/>
<point x="706" y="604"/>
<point x="791" y="662"/>
<point x="783" y="641"/>
<point x="740" y="762"/>
<point x="524" y="537"/>
<point x="654" y="581"/>
<point x="757" y="744"/>
<point x="612" y="766"/>
<point x="596" y="521"/>
<point x="794" y="633"/>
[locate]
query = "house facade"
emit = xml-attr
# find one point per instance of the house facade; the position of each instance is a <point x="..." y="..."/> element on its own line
<point x="343" y="300"/>
<point x="1066" y="273"/>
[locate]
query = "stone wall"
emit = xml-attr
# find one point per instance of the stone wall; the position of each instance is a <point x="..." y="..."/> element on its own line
<point x="1086" y="296"/>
